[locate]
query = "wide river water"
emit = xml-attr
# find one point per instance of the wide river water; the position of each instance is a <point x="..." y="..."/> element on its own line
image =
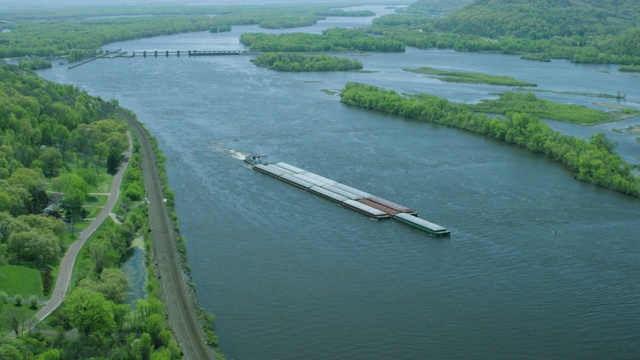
<point x="539" y="265"/>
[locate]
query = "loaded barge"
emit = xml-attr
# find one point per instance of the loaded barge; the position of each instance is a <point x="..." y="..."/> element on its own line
<point x="354" y="199"/>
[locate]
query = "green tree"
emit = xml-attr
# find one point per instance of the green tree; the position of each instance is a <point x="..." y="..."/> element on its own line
<point x="113" y="161"/>
<point x="33" y="300"/>
<point x="600" y="140"/>
<point x="35" y="246"/>
<point x="114" y="284"/>
<point x="51" y="354"/>
<point x="52" y="160"/>
<point x="74" y="205"/>
<point x="144" y="346"/>
<point x="9" y="352"/>
<point x="34" y="183"/>
<point x="89" y="311"/>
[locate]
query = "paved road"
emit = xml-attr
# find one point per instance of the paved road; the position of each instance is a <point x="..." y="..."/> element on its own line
<point x="183" y="317"/>
<point x="66" y="267"/>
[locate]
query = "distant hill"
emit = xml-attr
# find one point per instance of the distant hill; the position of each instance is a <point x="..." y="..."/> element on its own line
<point x="543" y="19"/>
<point x="435" y="7"/>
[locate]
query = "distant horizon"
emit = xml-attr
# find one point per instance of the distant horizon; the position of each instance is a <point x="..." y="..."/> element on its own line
<point x="22" y="4"/>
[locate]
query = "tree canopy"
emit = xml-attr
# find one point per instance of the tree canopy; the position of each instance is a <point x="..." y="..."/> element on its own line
<point x="584" y="31"/>
<point x="296" y="62"/>
<point x="593" y="161"/>
<point x="54" y="137"/>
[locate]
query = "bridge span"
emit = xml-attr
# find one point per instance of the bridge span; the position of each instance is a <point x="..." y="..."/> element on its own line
<point x="167" y="53"/>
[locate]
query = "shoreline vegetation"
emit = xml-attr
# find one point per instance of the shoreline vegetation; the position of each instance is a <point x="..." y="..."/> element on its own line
<point x="527" y="102"/>
<point x="55" y="137"/>
<point x="468" y="77"/>
<point x="535" y="30"/>
<point x="297" y="62"/>
<point x="630" y="68"/>
<point x="206" y="319"/>
<point x="331" y="40"/>
<point x="80" y="141"/>
<point x="619" y="95"/>
<point x="593" y="161"/>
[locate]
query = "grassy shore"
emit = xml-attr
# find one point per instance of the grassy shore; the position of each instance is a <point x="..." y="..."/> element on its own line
<point x="468" y="77"/>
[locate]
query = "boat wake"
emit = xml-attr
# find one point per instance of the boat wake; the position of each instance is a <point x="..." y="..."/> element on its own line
<point x="236" y="154"/>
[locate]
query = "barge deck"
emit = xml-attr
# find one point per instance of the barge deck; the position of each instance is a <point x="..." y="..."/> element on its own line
<point x="347" y="196"/>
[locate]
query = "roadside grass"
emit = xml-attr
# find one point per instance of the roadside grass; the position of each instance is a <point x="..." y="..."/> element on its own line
<point x="95" y="199"/>
<point x="23" y="312"/>
<point x="104" y="185"/>
<point x="93" y="213"/>
<point x="21" y="280"/>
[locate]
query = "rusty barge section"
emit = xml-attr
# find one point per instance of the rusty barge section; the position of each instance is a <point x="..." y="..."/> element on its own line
<point x="347" y="196"/>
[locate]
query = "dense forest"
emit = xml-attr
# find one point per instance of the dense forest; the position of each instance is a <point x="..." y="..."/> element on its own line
<point x="56" y="145"/>
<point x="331" y="40"/>
<point x="296" y="62"/>
<point x="594" y="161"/>
<point x="75" y="32"/>
<point x="583" y="31"/>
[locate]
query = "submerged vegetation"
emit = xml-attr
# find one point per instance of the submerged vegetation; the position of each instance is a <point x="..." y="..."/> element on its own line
<point x="619" y="95"/>
<point x="630" y="68"/>
<point x="469" y="77"/>
<point x="594" y="161"/>
<point x="530" y="104"/>
<point x="296" y="62"/>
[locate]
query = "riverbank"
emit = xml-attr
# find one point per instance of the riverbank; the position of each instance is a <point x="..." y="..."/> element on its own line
<point x="181" y="305"/>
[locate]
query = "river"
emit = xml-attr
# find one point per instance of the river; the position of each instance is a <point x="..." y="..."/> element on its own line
<point x="539" y="265"/>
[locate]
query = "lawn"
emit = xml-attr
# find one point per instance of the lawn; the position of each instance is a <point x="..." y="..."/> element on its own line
<point x="20" y="280"/>
<point x="24" y="313"/>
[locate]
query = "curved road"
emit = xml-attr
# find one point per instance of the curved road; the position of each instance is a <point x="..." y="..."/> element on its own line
<point x="66" y="266"/>
<point x="183" y="316"/>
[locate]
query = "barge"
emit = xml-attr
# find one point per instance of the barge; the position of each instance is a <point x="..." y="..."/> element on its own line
<point x="347" y="196"/>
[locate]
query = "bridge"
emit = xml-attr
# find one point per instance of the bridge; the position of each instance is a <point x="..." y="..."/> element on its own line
<point x="167" y="53"/>
<point x="156" y="53"/>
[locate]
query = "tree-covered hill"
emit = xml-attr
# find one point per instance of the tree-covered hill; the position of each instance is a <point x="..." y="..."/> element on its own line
<point x="583" y="31"/>
<point x="436" y="7"/>
<point x="543" y="19"/>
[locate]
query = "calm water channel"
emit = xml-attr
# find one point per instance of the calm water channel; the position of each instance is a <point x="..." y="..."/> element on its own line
<point x="539" y="265"/>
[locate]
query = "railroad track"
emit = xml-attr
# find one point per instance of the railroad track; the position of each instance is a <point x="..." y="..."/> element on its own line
<point x="183" y="316"/>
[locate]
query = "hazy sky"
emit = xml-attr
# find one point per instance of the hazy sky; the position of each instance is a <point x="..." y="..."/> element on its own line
<point x="49" y="3"/>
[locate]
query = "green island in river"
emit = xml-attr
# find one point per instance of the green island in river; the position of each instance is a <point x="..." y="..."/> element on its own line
<point x="298" y="62"/>
<point x="468" y="77"/>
